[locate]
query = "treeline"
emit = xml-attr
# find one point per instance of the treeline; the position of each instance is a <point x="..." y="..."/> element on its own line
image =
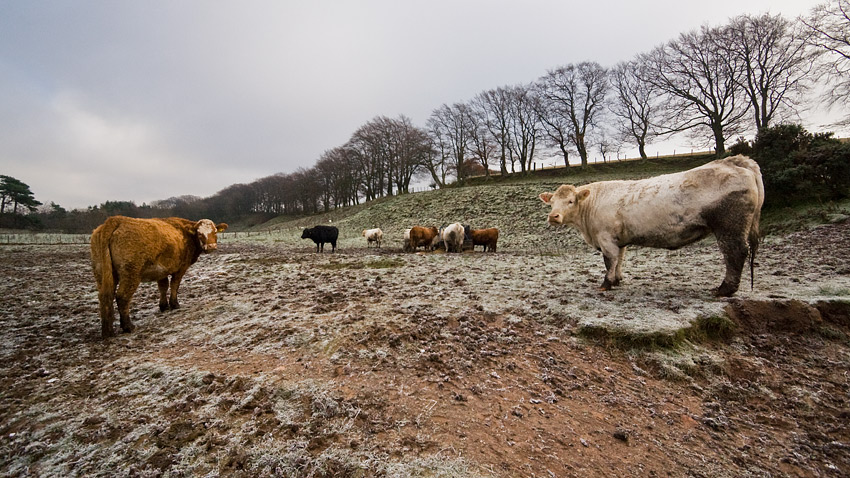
<point x="711" y="85"/>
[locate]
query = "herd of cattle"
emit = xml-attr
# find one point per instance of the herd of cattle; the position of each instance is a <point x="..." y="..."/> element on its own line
<point x="453" y="238"/>
<point x="723" y="197"/>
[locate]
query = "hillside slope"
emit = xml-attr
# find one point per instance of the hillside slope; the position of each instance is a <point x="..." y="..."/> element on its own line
<point x="511" y="205"/>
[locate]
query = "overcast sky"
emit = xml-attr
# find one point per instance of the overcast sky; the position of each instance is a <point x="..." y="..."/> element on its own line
<point x="145" y="100"/>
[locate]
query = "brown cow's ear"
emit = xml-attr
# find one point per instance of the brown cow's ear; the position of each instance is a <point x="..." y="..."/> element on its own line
<point x="546" y="197"/>
<point x="221" y="227"/>
<point x="583" y="194"/>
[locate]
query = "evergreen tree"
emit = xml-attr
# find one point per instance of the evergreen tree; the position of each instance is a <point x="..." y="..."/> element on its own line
<point x="16" y="193"/>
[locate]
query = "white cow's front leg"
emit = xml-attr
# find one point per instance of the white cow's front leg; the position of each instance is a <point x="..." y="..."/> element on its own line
<point x="613" y="256"/>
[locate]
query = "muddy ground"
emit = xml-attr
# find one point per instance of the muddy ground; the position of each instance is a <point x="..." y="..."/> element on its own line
<point x="283" y="362"/>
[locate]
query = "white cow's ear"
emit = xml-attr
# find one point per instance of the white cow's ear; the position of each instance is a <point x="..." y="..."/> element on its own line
<point x="546" y="197"/>
<point x="583" y="194"/>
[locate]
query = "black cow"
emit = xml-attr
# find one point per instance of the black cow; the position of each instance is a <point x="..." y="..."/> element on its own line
<point x="320" y="235"/>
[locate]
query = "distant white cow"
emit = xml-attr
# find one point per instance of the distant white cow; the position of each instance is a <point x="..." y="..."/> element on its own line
<point x="453" y="237"/>
<point x="406" y="243"/>
<point x="373" y="235"/>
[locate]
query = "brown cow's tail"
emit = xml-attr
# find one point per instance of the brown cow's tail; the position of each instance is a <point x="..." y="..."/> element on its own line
<point x="104" y="275"/>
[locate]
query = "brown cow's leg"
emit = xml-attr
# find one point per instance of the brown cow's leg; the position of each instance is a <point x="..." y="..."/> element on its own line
<point x="163" y="294"/>
<point x="107" y="312"/>
<point x="734" y="250"/>
<point x="106" y="303"/>
<point x="126" y="289"/>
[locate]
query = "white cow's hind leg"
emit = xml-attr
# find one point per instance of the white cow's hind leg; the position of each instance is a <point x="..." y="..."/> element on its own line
<point x="735" y="251"/>
<point x="619" y="275"/>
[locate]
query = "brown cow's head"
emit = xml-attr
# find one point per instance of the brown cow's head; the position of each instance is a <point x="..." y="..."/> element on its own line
<point x="565" y="203"/>
<point x="207" y="231"/>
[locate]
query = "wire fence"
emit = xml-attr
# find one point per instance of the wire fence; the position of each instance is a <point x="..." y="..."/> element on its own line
<point x="49" y="239"/>
<point x="43" y="238"/>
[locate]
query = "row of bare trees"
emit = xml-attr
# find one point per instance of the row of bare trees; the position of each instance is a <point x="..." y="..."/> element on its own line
<point x="710" y="85"/>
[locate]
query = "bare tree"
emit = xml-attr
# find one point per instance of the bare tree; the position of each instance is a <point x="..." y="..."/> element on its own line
<point x="481" y="142"/>
<point x="774" y="60"/>
<point x="574" y="96"/>
<point x="492" y="107"/>
<point x="830" y="23"/>
<point x="524" y="126"/>
<point x="452" y="125"/>
<point x="409" y="146"/>
<point x="634" y="104"/>
<point x="701" y="83"/>
<point x="269" y="193"/>
<point x="555" y="127"/>
<point x="607" y="145"/>
<point x="437" y="161"/>
<point x="308" y="189"/>
<point x="369" y="149"/>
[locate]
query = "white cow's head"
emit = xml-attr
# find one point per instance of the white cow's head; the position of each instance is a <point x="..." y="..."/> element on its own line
<point x="207" y="231"/>
<point x="565" y="202"/>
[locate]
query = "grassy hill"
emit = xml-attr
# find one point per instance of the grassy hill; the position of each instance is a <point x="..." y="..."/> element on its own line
<point x="510" y="204"/>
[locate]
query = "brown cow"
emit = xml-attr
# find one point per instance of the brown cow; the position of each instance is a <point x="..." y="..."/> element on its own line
<point x="423" y="236"/>
<point x="486" y="238"/>
<point x="126" y="251"/>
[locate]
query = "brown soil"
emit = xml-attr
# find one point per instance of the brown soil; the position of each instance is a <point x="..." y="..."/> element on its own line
<point x="283" y="362"/>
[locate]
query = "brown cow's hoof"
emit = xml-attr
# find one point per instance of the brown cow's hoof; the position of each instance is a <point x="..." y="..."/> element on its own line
<point x="163" y="307"/>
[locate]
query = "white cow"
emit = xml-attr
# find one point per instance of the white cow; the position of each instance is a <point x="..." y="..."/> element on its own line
<point x="723" y="197"/>
<point x="453" y="237"/>
<point x="373" y="235"/>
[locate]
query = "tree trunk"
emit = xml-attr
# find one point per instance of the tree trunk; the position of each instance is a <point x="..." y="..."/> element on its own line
<point x="566" y="155"/>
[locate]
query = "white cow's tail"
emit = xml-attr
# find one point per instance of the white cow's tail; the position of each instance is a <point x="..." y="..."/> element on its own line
<point x="754" y="245"/>
<point x="755" y="236"/>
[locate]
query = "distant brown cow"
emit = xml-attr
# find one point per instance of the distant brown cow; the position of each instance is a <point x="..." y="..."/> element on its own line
<point x="127" y="251"/>
<point x="423" y="236"/>
<point x="485" y="237"/>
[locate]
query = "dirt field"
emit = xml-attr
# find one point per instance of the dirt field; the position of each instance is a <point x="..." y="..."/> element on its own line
<point x="283" y="362"/>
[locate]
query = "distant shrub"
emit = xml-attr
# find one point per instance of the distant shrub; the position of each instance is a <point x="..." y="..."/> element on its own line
<point x="741" y="146"/>
<point x="799" y="166"/>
